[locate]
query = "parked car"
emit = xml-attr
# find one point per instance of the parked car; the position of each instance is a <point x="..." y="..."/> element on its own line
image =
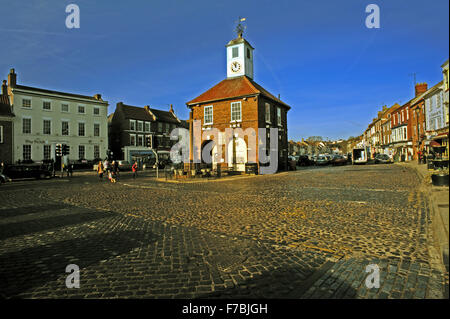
<point x="382" y="159"/>
<point x="19" y="171"/>
<point x="304" y="161"/>
<point x="322" y="160"/>
<point x="124" y="165"/>
<point x="338" y="160"/>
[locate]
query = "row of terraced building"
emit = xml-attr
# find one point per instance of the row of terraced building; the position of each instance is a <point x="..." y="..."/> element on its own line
<point x="418" y="126"/>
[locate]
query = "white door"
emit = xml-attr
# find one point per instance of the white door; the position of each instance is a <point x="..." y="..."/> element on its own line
<point x="241" y="154"/>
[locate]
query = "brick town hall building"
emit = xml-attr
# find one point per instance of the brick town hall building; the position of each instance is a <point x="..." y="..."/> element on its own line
<point x="237" y="102"/>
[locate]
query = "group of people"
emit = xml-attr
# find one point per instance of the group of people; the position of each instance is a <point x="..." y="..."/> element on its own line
<point x="112" y="170"/>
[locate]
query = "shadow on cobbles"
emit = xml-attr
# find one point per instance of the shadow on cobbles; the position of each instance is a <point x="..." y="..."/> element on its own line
<point x="19" y="211"/>
<point x="34" y="267"/>
<point x="283" y="284"/>
<point x="37" y="225"/>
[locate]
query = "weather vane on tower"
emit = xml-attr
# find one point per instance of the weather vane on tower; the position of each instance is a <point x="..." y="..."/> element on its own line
<point x="240" y="28"/>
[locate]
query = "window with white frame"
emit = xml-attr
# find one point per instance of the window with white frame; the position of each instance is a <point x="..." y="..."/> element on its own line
<point x="278" y="116"/>
<point x="140" y="140"/>
<point x="65" y="108"/>
<point x="160" y="127"/>
<point x="47" y="127"/>
<point x="81" y="151"/>
<point x="405" y="135"/>
<point x="407" y="113"/>
<point x="81" y="129"/>
<point x="96" y="129"/>
<point x="65" y="128"/>
<point x="81" y="109"/>
<point x="236" y="114"/>
<point x="26" y="126"/>
<point x="26" y="152"/>
<point x="47" y="152"/>
<point x="26" y="103"/>
<point x="208" y="114"/>
<point x="267" y="113"/>
<point x="96" y="151"/>
<point x="46" y="105"/>
<point x="96" y="111"/>
<point x="132" y="125"/>
<point x="1" y="134"/>
<point x="132" y="139"/>
<point x="147" y="126"/>
<point x="140" y="125"/>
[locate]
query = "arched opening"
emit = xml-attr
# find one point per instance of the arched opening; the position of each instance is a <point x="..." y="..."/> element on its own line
<point x="207" y="159"/>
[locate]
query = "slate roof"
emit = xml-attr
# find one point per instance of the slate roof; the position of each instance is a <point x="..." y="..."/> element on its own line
<point x="164" y="116"/>
<point x="232" y="88"/>
<point x="135" y="112"/>
<point x="29" y="88"/>
<point x="140" y="113"/>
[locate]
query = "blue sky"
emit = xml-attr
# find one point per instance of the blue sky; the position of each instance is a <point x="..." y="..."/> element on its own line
<point x="319" y="55"/>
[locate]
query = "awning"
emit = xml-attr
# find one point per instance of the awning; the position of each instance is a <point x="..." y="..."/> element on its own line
<point x="435" y="144"/>
<point x="441" y="136"/>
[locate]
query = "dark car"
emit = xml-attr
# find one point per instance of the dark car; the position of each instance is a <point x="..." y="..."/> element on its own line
<point x="338" y="160"/>
<point x="322" y="160"/>
<point x="124" y="165"/>
<point x="20" y="171"/>
<point x="304" y="161"/>
<point x="382" y="159"/>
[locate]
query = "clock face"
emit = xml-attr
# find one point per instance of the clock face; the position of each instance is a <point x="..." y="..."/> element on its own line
<point x="235" y="66"/>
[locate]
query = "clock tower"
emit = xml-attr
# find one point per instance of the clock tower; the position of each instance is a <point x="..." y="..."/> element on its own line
<point x="239" y="57"/>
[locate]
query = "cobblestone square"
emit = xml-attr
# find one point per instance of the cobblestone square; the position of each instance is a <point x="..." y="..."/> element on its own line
<point x="305" y="234"/>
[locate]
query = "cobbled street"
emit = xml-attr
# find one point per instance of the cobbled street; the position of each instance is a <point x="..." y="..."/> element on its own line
<point x="303" y="234"/>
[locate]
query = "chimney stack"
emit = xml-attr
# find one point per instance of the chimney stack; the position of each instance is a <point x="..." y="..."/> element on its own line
<point x="4" y="88"/>
<point x="421" y="88"/>
<point x="171" y="108"/>
<point x="98" y="97"/>
<point x="12" y="78"/>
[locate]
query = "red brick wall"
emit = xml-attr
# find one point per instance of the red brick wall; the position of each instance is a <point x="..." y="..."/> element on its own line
<point x="253" y="116"/>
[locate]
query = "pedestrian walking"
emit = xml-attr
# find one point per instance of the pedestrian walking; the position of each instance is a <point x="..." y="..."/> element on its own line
<point x="106" y="166"/>
<point x="70" y="170"/>
<point x="100" y="170"/>
<point x="116" y="168"/>
<point x="134" y="169"/>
